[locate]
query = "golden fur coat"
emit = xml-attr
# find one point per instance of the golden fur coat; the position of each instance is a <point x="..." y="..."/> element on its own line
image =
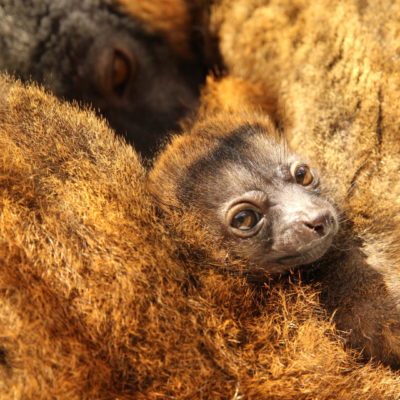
<point x="105" y="298"/>
<point x="102" y="297"/>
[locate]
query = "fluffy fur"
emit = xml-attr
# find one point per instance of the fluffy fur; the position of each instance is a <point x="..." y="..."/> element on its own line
<point x="103" y="298"/>
<point x="334" y="68"/>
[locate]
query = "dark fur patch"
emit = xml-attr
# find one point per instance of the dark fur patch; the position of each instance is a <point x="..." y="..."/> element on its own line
<point x="228" y="149"/>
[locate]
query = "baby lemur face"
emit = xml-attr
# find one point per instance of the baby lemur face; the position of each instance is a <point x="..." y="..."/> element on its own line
<point x="263" y="200"/>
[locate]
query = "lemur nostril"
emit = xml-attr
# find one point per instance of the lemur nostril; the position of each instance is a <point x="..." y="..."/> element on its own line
<point x="320" y="224"/>
<point x="317" y="228"/>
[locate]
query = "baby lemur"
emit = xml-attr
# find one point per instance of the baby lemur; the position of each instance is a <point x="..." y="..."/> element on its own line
<point x="94" y="52"/>
<point x="260" y="200"/>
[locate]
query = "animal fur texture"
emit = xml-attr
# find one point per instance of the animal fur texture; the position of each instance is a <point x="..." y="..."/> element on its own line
<point x="103" y="297"/>
<point x="117" y="56"/>
<point x="334" y="69"/>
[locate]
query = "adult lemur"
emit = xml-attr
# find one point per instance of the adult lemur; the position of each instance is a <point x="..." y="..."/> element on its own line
<point x="99" y="52"/>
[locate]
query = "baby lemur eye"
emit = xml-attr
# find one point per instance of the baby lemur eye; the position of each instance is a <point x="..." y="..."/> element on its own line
<point x="301" y="173"/>
<point x="245" y="220"/>
<point x="244" y="217"/>
<point x="122" y="69"/>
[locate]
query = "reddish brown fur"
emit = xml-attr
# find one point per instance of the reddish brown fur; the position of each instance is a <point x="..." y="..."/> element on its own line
<point x="102" y="299"/>
<point x="170" y="18"/>
<point x="334" y="67"/>
<point x="182" y="24"/>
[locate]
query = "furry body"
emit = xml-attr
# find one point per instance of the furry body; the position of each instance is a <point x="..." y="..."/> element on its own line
<point x="101" y="298"/>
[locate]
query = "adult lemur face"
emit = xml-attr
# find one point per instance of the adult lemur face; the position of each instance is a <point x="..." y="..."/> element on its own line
<point x="264" y="201"/>
<point x="93" y="52"/>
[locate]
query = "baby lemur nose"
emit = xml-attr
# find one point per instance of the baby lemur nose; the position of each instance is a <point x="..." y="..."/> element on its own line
<point x="318" y="225"/>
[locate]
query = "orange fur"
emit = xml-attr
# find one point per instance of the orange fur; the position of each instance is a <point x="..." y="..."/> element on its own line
<point x="102" y="298"/>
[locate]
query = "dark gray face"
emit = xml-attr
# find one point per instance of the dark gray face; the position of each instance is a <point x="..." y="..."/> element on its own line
<point x="264" y="201"/>
<point x="87" y="50"/>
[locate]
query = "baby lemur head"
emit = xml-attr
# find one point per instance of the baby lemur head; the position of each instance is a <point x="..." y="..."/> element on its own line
<point x="262" y="201"/>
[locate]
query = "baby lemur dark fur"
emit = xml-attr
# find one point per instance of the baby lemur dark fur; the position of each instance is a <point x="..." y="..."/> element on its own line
<point x="260" y="201"/>
<point x="93" y="52"/>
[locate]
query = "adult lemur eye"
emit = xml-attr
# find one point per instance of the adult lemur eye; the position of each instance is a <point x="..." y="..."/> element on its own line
<point x="245" y="220"/>
<point x="301" y="173"/>
<point x="121" y="71"/>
